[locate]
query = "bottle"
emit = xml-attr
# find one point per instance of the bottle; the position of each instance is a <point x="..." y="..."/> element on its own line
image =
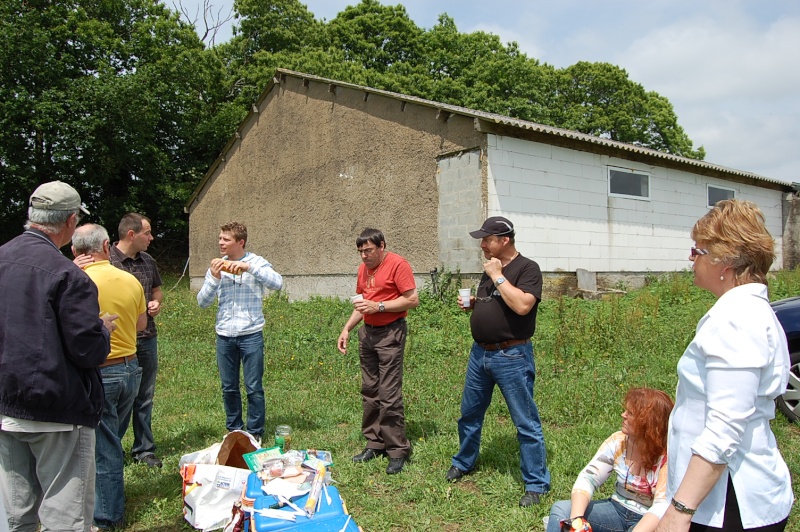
<point x="283" y="437"/>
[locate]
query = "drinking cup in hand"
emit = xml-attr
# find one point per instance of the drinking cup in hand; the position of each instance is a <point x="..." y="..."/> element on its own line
<point x="465" y="295"/>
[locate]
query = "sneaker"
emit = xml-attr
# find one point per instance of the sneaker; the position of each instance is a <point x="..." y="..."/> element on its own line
<point x="149" y="459"/>
<point x="530" y="498"/>
<point x="368" y="454"/>
<point x="454" y="474"/>
<point x="396" y="465"/>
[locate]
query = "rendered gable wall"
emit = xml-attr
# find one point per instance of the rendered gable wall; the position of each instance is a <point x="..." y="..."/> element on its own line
<point x="316" y="165"/>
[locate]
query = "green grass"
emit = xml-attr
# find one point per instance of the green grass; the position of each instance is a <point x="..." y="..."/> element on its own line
<point x="588" y="353"/>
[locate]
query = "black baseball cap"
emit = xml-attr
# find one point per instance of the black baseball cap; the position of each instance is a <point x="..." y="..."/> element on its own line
<point x="494" y="226"/>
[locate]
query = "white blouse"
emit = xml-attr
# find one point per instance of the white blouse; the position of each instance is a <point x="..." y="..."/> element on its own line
<point x="728" y="379"/>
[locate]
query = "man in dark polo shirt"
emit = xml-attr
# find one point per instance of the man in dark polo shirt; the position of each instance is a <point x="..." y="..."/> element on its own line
<point x="502" y="322"/>
<point x="129" y="254"/>
<point x="387" y="288"/>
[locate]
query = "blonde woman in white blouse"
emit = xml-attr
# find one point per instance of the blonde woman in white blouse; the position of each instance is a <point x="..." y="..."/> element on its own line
<point x="725" y="470"/>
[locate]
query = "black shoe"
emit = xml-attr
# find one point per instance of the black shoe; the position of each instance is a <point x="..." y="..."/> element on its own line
<point x="454" y="474"/>
<point x="368" y="454"/>
<point x="149" y="459"/>
<point x="396" y="465"/>
<point x="530" y="497"/>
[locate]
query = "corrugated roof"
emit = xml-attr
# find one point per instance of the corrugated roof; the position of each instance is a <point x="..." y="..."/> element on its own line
<point x="494" y="118"/>
<point x="541" y="128"/>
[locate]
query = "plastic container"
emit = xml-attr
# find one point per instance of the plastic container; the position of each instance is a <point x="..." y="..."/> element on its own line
<point x="283" y="437"/>
<point x="330" y="517"/>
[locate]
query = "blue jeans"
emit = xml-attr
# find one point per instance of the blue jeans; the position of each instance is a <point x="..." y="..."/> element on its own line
<point x="247" y="350"/>
<point x="120" y="384"/>
<point x="147" y="355"/>
<point x="513" y="371"/>
<point x="604" y="515"/>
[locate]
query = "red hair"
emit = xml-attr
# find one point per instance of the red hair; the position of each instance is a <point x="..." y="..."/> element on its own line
<point x="650" y="411"/>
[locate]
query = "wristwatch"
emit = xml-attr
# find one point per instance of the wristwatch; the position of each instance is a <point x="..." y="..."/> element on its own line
<point x="682" y="508"/>
<point x="500" y="280"/>
<point x="381" y="307"/>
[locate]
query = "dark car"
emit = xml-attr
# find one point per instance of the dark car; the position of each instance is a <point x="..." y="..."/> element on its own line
<point x="788" y="313"/>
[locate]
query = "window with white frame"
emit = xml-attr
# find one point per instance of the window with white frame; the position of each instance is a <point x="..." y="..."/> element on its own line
<point x="716" y="193"/>
<point x="628" y="183"/>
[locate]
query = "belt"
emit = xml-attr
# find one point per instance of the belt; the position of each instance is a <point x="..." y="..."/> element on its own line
<point x="503" y="345"/>
<point x="395" y="322"/>
<point x="118" y="360"/>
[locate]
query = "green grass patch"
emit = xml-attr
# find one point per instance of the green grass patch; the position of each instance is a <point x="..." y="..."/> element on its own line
<point x="588" y="353"/>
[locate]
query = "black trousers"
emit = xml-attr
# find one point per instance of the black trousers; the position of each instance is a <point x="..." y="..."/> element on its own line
<point x="733" y="518"/>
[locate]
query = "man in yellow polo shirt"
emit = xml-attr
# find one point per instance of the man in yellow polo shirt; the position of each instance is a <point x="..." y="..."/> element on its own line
<point x="119" y="293"/>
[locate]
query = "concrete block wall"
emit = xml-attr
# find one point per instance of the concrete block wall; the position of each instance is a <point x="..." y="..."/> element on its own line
<point x="460" y="210"/>
<point x="558" y="200"/>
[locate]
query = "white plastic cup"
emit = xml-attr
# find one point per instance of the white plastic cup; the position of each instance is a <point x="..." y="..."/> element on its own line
<point x="357" y="297"/>
<point x="546" y="521"/>
<point x="465" y="294"/>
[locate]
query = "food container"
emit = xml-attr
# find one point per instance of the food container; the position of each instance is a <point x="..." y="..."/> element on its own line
<point x="283" y="437"/>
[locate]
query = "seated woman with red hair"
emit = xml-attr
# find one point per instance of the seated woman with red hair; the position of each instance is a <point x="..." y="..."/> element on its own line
<point x="637" y="454"/>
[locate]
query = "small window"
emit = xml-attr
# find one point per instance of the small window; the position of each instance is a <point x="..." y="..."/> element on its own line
<point x="716" y="194"/>
<point x="628" y="183"/>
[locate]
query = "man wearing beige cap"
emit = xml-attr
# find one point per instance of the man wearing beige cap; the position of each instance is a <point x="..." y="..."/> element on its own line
<point x="52" y="341"/>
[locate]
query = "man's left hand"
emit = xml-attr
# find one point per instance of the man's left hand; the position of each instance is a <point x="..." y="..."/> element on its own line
<point x="153" y="308"/>
<point x="237" y="267"/>
<point x="365" y="306"/>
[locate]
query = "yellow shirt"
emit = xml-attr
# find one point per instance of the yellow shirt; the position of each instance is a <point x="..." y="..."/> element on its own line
<point x="119" y="293"/>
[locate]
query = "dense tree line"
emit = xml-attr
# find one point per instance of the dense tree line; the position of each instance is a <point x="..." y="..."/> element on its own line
<point x="122" y="99"/>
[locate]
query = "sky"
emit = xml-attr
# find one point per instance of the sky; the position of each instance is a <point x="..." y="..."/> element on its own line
<point x="730" y="68"/>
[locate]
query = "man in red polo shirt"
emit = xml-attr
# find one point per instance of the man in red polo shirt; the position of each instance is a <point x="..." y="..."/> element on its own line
<point x="386" y="284"/>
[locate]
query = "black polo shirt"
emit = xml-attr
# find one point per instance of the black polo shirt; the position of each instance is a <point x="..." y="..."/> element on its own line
<point x="492" y="320"/>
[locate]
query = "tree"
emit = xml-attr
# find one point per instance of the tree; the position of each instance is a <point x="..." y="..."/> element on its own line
<point x="476" y="70"/>
<point x="276" y="25"/>
<point x="600" y="99"/>
<point x="111" y="97"/>
<point x="375" y="36"/>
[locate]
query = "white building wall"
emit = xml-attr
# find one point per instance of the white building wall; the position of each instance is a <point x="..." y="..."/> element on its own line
<point x="558" y="200"/>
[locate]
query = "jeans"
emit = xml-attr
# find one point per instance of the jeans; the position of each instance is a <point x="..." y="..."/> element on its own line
<point x="604" y="516"/>
<point x="147" y="355"/>
<point x="513" y="371"/>
<point x="48" y="478"/>
<point x="121" y="384"/>
<point x="247" y="350"/>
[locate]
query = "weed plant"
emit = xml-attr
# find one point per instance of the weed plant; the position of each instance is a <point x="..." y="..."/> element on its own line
<point x="587" y="353"/>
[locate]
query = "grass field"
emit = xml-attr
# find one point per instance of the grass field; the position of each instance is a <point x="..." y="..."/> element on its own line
<point x="588" y="353"/>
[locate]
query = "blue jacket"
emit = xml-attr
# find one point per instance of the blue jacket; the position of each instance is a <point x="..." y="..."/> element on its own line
<point x="51" y="337"/>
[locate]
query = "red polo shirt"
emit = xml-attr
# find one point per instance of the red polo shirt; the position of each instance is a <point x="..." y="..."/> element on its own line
<point x="392" y="278"/>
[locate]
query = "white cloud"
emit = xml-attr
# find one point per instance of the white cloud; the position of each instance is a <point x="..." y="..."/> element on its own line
<point x="705" y="60"/>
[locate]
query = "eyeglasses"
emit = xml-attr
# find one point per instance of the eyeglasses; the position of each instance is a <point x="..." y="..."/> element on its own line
<point x="698" y="251"/>
<point x="367" y="251"/>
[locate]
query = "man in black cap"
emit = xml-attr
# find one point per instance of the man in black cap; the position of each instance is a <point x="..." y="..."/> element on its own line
<point x="502" y="322"/>
<point x="52" y="341"/>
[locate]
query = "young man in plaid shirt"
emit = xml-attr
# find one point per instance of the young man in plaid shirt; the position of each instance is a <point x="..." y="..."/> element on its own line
<point x="240" y="280"/>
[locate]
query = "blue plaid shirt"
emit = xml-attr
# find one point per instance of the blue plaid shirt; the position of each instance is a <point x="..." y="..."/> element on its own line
<point x="241" y="297"/>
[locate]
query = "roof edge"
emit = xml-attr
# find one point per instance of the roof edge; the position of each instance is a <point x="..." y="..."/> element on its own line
<point x="489" y="118"/>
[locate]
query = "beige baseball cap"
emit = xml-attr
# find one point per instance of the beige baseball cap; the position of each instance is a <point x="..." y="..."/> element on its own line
<point x="57" y="196"/>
